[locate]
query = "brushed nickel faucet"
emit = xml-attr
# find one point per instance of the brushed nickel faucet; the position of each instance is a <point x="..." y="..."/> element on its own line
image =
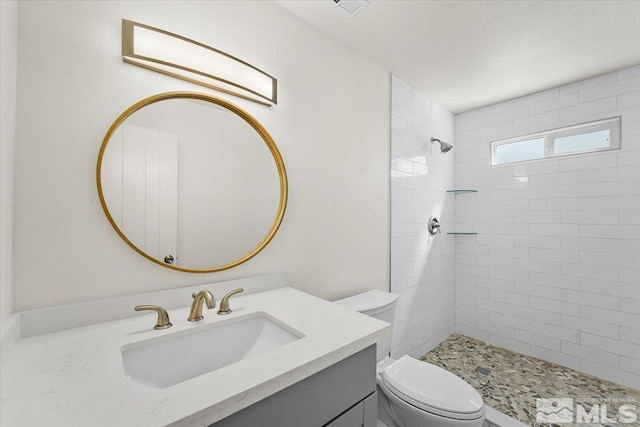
<point x="196" y="306"/>
<point x="224" y="304"/>
<point x="163" y="317"/>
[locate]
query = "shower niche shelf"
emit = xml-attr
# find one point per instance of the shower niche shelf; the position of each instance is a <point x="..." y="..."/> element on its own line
<point x="461" y="191"/>
<point x="461" y="232"/>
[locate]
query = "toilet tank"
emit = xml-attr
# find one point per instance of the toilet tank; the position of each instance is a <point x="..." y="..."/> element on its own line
<point x="378" y="304"/>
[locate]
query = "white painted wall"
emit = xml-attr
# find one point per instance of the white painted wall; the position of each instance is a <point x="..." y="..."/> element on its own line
<point x="422" y="267"/>
<point x="555" y="269"/>
<point x="8" y="65"/>
<point x="331" y="126"/>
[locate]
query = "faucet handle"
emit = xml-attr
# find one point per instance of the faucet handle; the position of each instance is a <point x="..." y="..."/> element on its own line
<point x="163" y="317"/>
<point x="224" y="304"/>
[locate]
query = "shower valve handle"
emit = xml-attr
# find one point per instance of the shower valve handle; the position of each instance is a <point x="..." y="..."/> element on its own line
<point x="433" y="226"/>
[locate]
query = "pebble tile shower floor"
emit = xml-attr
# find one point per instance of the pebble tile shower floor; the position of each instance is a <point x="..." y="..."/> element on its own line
<point x="510" y="382"/>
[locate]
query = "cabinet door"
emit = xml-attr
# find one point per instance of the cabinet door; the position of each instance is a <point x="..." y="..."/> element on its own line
<point x="371" y="410"/>
<point x="354" y="417"/>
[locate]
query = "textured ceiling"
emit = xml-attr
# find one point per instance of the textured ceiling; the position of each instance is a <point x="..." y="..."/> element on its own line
<point x="467" y="54"/>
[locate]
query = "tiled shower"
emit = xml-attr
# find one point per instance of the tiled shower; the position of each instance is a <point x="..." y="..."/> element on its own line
<point x="554" y="269"/>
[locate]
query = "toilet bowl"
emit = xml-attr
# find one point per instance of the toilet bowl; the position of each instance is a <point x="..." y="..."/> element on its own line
<point x="412" y="393"/>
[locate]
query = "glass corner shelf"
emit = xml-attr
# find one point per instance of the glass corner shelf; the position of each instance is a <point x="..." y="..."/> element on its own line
<point x="461" y="191"/>
<point x="459" y="232"/>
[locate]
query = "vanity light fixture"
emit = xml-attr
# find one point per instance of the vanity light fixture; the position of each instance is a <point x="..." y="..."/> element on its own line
<point x="189" y="60"/>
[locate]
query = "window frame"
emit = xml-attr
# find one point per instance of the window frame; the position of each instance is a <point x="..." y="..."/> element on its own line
<point x="612" y="124"/>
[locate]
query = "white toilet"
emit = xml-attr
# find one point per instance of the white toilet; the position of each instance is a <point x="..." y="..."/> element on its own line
<point x="411" y="392"/>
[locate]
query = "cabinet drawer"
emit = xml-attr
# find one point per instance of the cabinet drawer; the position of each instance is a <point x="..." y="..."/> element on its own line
<point x="354" y="417"/>
<point x="364" y="414"/>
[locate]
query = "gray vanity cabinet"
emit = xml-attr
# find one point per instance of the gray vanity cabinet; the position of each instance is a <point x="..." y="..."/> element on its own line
<point x="342" y="395"/>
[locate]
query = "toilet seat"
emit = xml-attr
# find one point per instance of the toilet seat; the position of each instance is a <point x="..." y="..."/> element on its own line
<point x="432" y="389"/>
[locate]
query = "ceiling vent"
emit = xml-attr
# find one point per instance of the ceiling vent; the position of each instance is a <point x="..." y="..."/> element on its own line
<point x="351" y="7"/>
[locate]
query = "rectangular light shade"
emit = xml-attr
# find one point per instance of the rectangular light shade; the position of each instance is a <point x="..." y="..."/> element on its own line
<point x="186" y="59"/>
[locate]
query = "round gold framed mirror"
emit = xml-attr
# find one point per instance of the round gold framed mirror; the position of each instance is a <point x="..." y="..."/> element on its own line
<point x="191" y="182"/>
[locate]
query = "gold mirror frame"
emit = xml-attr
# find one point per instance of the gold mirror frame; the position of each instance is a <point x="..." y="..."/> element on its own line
<point x="282" y="175"/>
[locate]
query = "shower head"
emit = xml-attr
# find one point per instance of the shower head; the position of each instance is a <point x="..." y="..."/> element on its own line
<point x="444" y="146"/>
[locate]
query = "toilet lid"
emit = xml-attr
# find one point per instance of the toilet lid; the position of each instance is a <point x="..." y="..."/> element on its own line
<point x="370" y="303"/>
<point x="432" y="389"/>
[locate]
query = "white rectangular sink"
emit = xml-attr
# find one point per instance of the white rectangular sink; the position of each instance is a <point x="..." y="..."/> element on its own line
<point x="161" y="362"/>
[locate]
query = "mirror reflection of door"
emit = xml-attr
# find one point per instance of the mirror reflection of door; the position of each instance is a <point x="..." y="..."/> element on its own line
<point x="142" y="188"/>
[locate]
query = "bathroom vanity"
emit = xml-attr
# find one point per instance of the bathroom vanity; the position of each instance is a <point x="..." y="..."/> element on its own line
<point x="310" y="363"/>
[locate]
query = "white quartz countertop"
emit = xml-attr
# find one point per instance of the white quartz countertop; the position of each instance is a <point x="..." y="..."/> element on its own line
<point x="76" y="377"/>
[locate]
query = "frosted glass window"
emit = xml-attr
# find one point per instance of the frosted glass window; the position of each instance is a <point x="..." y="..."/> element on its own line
<point x="584" y="138"/>
<point x="581" y="142"/>
<point x="520" y="151"/>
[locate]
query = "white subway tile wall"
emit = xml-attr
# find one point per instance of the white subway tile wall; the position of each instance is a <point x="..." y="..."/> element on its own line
<point x="555" y="269"/>
<point x="422" y="266"/>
